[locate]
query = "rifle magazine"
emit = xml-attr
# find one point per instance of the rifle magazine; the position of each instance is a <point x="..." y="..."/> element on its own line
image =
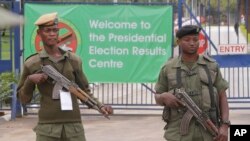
<point x="166" y="114"/>
<point x="185" y="122"/>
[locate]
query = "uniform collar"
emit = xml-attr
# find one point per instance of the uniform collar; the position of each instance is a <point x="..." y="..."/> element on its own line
<point x="44" y="54"/>
<point x="179" y="63"/>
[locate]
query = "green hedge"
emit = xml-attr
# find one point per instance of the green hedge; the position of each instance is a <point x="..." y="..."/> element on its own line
<point x="6" y="80"/>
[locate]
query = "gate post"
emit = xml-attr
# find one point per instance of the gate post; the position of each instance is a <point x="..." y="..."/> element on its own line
<point x="16" y="110"/>
<point x="180" y="12"/>
<point x="17" y="53"/>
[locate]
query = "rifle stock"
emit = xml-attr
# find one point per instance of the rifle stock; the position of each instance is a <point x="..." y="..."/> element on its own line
<point x="194" y="111"/>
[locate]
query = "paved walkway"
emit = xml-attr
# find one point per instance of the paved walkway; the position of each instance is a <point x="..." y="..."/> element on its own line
<point x="98" y="128"/>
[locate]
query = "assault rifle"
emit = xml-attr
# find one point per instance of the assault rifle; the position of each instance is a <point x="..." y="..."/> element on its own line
<point x="194" y="111"/>
<point x="63" y="82"/>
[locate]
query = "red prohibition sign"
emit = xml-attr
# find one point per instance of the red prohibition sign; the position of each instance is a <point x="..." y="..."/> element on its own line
<point x="66" y="37"/>
<point x="203" y="43"/>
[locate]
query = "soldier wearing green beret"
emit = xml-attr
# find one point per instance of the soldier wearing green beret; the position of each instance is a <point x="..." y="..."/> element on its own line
<point x="55" y="123"/>
<point x="200" y="77"/>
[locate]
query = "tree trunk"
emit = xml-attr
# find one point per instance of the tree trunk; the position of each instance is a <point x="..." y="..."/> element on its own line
<point x="242" y="7"/>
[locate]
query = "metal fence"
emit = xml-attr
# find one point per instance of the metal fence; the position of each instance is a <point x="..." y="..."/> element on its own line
<point x="140" y="96"/>
<point x="239" y="91"/>
<point x="6" y="42"/>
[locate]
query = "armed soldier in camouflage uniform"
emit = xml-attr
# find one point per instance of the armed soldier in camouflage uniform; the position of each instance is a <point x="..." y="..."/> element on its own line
<point x="201" y="78"/>
<point x="55" y="123"/>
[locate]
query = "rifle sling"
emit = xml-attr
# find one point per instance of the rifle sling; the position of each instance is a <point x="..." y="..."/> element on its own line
<point x="210" y="87"/>
<point x="211" y="92"/>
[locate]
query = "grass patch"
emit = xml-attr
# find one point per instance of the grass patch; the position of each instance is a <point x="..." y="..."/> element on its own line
<point x="5" y="46"/>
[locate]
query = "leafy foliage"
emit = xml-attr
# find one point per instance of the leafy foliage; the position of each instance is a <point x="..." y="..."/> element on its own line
<point x="6" y="79"/>
<point x="224" y="5"/>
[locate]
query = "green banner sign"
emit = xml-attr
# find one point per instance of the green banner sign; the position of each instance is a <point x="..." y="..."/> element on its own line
<point x="117" y="43"/>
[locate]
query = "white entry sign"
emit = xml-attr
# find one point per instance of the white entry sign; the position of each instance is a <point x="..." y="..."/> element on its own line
<point x="226" y="49"/>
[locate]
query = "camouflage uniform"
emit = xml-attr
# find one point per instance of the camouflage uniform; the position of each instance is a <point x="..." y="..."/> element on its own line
<point x="195" y="82"/>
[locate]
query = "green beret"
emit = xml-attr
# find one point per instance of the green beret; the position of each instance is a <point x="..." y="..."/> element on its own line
<point x="188" y="30"/>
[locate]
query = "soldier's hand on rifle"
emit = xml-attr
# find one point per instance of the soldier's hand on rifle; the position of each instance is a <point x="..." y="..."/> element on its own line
<point x="38" y="78"/>
<point x="107" y="110"/>
<point x="223" y="133"/>
<point x="170" y="100"/>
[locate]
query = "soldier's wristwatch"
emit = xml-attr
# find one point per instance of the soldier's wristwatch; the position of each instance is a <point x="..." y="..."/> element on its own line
<point x="227" y="122"/>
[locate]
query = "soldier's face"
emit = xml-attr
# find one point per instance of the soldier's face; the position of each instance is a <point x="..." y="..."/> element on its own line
<point x="49" y="35"/>
<point x="189" y="44"/>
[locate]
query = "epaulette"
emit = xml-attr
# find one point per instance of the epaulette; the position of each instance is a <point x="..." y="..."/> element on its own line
<point x="31" y="56"/>
<point x="65" y="48"/>
<point x="209" y="58"/>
